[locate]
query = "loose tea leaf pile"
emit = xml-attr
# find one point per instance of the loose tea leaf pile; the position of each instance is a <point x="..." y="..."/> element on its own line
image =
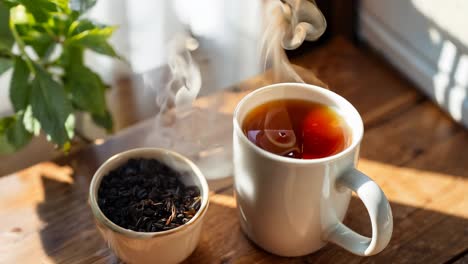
<point x="147" y="195"/>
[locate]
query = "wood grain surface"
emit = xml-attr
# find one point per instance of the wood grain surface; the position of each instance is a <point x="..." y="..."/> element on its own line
<point x="411" y="149"/>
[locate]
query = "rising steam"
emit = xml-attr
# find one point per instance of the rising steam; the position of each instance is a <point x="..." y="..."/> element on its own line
<point x="180" y="125"/>
<point x="288" y="24"/>
<point x="174" y="120"/>
<point x="185" y="77"/>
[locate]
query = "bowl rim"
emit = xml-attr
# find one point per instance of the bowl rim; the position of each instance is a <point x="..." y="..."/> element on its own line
<point x="135" y="153"/>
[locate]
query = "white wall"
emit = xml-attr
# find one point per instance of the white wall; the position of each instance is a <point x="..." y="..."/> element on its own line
<point x="228" y="32"/>
<point x="428" y="41"/>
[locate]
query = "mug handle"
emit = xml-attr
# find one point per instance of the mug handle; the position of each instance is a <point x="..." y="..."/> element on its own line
<point x="379" y="211"/>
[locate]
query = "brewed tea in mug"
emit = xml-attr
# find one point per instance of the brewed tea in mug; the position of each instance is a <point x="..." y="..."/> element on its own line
<point x="298" y="129"/>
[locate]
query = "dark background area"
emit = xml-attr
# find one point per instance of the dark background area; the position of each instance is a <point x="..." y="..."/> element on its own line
<point x="341" y="19"/>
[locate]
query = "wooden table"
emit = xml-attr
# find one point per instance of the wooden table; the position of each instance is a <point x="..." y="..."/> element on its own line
<point x="411" y="149"/>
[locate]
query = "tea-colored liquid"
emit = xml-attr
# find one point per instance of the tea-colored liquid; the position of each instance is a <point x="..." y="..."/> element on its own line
<point x="297" y="129"/>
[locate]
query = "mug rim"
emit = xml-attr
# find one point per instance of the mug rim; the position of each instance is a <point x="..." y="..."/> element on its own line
<point x="133" y="153"/>
<point x="332" y="95"/>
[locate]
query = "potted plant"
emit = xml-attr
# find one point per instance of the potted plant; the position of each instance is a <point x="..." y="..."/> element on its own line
<point x="43" y="42"/>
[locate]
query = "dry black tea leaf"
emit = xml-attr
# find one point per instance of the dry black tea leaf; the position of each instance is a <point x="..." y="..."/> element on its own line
<point x="146" y="195"/>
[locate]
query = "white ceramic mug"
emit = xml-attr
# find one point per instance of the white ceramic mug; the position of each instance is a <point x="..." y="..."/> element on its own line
<point x="293" y="207"/>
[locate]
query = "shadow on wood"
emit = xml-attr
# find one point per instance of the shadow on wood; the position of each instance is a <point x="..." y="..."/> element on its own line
<point x="69" y="235"/>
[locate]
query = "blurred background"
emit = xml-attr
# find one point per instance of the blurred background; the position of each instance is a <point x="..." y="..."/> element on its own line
<point x="426" y="40"/>
<point x="228" y="33"/>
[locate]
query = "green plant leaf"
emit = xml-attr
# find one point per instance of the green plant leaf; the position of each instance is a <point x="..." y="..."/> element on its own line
<point x="62" y="4"/>
<point x="20" y="88"/>
<point x="40" y="9"/>
<point x="13" y="134"/>
<point x="11" y="3"/>
<point x="83" y="25"/>
<point x="96" y="40"/>
<point x="104" y="121"/>
<point x="5" y="123"/>
<point x="81" y="6"/>
<point x="24" y="29"/>
<point x="86" y="89"/>
<point x="5" y="64"/>
<point x="71" y="55"/>
<point x="6" y="38"/>
<point x="50" y="106"/>
<point x="17" y="135"/>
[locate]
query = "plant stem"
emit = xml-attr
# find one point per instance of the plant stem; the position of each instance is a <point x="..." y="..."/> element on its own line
<point x="21" y="44"/>
<point x="51" y="34"/>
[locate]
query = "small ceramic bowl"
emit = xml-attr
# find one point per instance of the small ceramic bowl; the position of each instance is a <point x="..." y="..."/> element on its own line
<point x="171" y="246"/>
